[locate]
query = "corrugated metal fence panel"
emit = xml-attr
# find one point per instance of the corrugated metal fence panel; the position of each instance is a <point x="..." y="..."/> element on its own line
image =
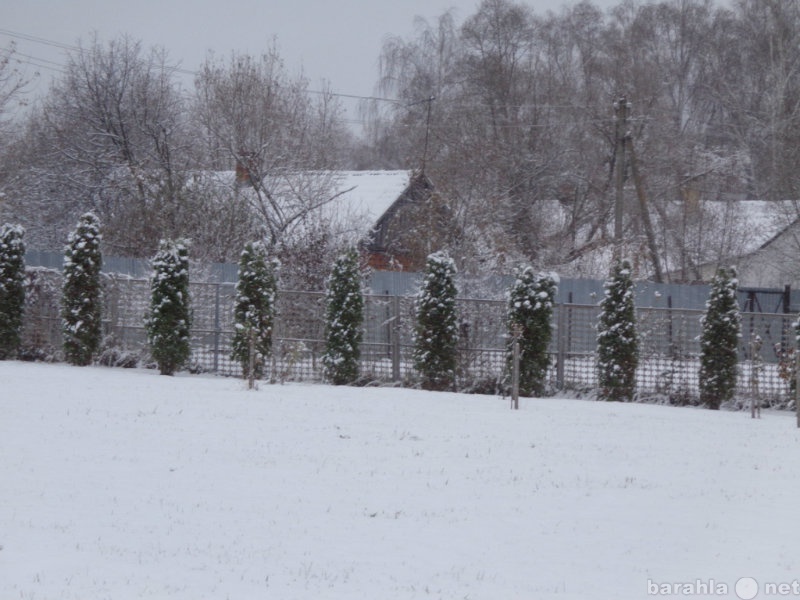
<point x="47" y="260"/>
<point x="400" y="283"/>
<point x="570" y="291"/>
<point x="134" y="267"/>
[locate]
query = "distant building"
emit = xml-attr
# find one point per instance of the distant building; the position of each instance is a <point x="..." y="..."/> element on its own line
<point x="414" y="225"/>
<point x="397" y="216"/>
<point x="774" y="263"/>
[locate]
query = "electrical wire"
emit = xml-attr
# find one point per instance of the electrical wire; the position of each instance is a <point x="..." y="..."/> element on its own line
<point x="60" y="67"/>
<point x="452" y="108"/>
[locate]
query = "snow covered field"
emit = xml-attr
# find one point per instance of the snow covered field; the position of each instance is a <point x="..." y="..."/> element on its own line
<point x="125" y="484"/>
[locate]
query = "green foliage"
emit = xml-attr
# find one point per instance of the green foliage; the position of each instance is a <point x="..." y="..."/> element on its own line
<point x="617" y="340"/>
<point x="81" y="297"/>
<point x="530" y="311"/>
<point x="12" y="288"/>
<point x="254" y="310"/>
<point x="169" y="321"/>
<point x="344" y="319"/>
<point x="436" y="333"/>
<point x="719" y="341"/>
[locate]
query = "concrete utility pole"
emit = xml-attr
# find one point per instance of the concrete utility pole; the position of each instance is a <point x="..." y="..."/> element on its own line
<point x="621" y="113"/>
<point x="429" y="100"/>
<point x="648" y="224"/>
<point x="624" y="154"/>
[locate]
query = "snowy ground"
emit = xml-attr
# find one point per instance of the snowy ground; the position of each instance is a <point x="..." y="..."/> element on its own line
<point x="125" y="484"/>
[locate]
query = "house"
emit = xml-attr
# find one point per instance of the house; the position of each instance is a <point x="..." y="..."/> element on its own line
<point x="774" y="263"/>
<point x="397" y="215"/>
<point x="412" y="227"/>
<point x="760" y="238"/>
<point x="394" y="216"/>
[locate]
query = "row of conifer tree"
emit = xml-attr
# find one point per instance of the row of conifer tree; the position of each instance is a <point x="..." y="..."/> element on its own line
<point x="618" y="341"/>
<point x="169" y="319"/>
<point x="436" y="335"/>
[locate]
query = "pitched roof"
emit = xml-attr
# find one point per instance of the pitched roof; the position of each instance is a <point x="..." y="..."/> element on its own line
<point x="765" y="221"/>
<point x="369" y="194"/>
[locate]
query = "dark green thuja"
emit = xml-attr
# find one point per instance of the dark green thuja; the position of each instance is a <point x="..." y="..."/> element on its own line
<point x="436" y="333"/>
<point x="254" y="309"/>
<point x="12" y="288"/>
<point x="719" y="341"/>
<point x="529" y="316"/>
<point x="344" y="320"/>
<point x="169" y="320"/>
<point x="617" y="340"/>
<point x="81" y="298"/>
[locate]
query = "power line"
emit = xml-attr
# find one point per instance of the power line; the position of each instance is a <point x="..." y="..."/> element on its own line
<point x="61" y="68"/>
<point x="72" y="48"/>
<point x="41" y="63"/>
<point x="38" y="40"/>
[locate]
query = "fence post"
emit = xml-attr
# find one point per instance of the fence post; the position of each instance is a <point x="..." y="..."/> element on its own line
<point x="395" y="339"/>
<point x="561" y="345"/>
<point x="216" y="329"/>
<point x="516" y="331"/>
<point x="797" y="385"/>
<point x="787" y="299"/>
<point x="251" y="358"/>
<point x="111" y="308"/>
<point x="755" y="370"/>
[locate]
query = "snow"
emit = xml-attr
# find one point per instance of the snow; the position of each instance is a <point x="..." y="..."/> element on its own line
<point x="371" y="192"/>
<point x="126" y="484"/>
<point x="763" y="220"/>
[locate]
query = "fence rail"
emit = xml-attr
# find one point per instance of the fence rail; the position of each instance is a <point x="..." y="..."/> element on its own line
<point x="669" y="346"/>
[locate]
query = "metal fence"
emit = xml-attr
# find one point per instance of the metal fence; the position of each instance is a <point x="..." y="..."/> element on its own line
<point x="669" y="347"/>
<point x="401" y="283"/>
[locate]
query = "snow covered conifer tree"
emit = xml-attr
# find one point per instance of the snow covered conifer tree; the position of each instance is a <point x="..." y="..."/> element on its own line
<point x="12" y="288"/>
<point x="344" y="319"/>
<point x="81" y="296"/>
<point x="719" y="340"/>
<point x="617" y="340"/>
<point x="530" y="309"/>
<point x="254" y="309"/>
<point x="170" y="319"/>
<point x="436" y="333"/>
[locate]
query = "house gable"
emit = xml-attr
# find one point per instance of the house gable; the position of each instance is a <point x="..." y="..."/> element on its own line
<point x="410" y="228"/>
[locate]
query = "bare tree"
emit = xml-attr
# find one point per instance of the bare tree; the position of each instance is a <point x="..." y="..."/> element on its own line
<point x="421" y="73"/>
<point x="758" y="45"/>
<point x="12" y="87"/>
<point x="114" y="136"/>
<point x="282" y="142"/>
<point x="523" y="125"/>
<point x="12" y="83"/>
<point x="108" y="137"/>
<point x="117" y="120"/>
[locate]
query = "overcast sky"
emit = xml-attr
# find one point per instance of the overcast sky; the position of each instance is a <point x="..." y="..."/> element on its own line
<point x="338" y="41"/>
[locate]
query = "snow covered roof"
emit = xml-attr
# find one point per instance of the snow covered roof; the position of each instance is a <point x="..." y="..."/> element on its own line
<point x="764" y="220"/>
<point x="732" y="229"/>
<point x="369" y="194"/>
<point x="363" y="196"/>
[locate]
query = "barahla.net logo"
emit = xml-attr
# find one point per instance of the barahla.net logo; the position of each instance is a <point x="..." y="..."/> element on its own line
<point x="745" y="588"/>
<point x="698" y="587"/>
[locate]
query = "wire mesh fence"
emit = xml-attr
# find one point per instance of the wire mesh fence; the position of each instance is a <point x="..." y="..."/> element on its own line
<point x="669" y="340"/>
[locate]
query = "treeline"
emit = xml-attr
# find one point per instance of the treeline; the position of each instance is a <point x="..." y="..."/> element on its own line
<point x="513" y="114"/>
